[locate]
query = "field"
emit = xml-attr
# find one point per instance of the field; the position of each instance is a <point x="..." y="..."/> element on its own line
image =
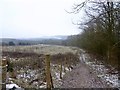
<point x="40" y="49"/>
<point x="27" y="64"/>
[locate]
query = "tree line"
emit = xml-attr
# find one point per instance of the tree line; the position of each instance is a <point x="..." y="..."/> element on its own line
<point x="101" y="32"/>
<point x="12" y="43"/>
<point x="32" y="42"/>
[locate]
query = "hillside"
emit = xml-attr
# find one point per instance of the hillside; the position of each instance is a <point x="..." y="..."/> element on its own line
<point x="54" y="40"/>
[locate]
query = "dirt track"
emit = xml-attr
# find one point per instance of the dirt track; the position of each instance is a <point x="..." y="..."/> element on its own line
<point x="82" y="77"/>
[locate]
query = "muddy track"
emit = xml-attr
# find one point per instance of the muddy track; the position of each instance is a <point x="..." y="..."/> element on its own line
<point x="82" y="76"/>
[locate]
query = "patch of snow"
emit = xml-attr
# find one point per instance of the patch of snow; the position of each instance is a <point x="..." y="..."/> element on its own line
<point x="66" y="68"/>
<point x="28" y="76"/>
<point x="9" y="86"/>
<point x="35" y="83"/>
<point x="42" y="86"/>
<point x="113" y="79"/>
<point x="10" y="78"/>
<point x="57" y="75"/>
<point x="63" y="73"/>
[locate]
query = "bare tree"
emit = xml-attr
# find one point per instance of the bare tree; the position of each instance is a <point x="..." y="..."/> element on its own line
<point x="103" y="16"/>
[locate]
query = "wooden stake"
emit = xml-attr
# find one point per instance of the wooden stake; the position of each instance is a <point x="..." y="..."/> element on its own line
<point x="51" y="80"/>
<point x="0" y="74"/>
<point x="4" y="71"/>
<point x="61" y="69"/>
<point x="48" y="73"/>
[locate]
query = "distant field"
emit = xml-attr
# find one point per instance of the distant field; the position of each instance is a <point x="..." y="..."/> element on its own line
<point x="40" y="49"/>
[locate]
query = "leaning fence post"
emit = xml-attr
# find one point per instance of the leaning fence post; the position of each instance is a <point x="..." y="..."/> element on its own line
<point x="48" y="73"/>
<point x="51" y="80"/>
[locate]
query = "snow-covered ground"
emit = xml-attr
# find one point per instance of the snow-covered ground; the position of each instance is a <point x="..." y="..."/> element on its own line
<point x="101" y="70"/>
<point x="35" y="77"/>
<point x="98" y="67"/>
<point x="28" y="76"/>
<point x="55" y="71"/>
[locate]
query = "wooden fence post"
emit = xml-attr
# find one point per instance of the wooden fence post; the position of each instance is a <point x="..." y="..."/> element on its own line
<point x="0" y="73"/>
<point x="65" y="64"/>
<point x="51" y="81"/>
<point x="3" y="71"/>
<point x="48" y="72"/>
<point x="60" y="69"/>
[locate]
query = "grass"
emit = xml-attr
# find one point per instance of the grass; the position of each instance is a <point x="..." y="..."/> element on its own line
<point x="40" y="49"/>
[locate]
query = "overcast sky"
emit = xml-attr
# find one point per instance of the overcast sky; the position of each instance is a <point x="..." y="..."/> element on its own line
<point x="36" y="18"/>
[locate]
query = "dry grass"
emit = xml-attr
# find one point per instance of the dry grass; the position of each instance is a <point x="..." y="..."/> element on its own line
<point x="40" y="49"/>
